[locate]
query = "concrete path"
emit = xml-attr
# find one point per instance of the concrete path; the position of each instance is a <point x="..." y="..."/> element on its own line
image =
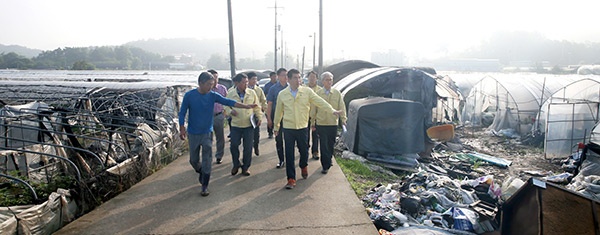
<point x="169" y="202"/>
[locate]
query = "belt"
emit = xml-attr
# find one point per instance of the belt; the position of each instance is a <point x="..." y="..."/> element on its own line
<point x="217" y="114"/>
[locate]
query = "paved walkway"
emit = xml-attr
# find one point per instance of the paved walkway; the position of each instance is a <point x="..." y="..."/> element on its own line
<point x="169" y="202"/>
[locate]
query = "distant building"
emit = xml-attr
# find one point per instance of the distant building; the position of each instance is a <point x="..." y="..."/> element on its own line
<point x="466" y="64"/>
<point x="177" y="66"/>
<point x="390" y="58"/>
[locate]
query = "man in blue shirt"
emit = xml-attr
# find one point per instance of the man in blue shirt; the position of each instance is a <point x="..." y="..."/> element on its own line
<point x="219" y="118"/>
<point x="271" y="101"/>
<point x="198" y="104"/>
<point x="273" y="77"/>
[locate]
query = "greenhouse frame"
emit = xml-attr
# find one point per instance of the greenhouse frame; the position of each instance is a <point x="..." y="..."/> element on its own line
<point x="569" y="116"/>
<point x="509" y="102"/>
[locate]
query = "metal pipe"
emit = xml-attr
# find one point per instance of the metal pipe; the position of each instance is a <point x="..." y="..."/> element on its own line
<point x="23" y="182"/>
<point x="62" y="133"/>
<point x="49" y="155"/>
<point x="104" y="124"/>
<point x="60" y="146"/>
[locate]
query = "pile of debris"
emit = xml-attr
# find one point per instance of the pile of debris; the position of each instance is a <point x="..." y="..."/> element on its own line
<point x="461" y="191"/>
<point x="426" y="198"/>
<point x="450" y="200"/>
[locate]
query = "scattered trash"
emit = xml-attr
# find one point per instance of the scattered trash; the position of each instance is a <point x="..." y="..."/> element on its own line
<point x="441" y="133"/>
<point x="464" y="219"/>
<point x="510" y="186"/>
<point x="352" y="156"/>
<point x="461" y="191"/>
<point x="509" y="133"/>
<point x="562" y="178"/>
<point x="537" y="173"/>
<point x="475" y="156"/>
<point x="403" y="160"/>
<point x="433" y="200"/>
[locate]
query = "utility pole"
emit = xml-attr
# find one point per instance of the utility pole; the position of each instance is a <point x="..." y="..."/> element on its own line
<point x="282" y="61"/>
<point x="277" y="27"/>
<point x="302" y="71"/>
<point x="320" y="36"/>
<point x="298" y="64"/>
<point x="314" y="48"/>
<point x="231" y="47"/>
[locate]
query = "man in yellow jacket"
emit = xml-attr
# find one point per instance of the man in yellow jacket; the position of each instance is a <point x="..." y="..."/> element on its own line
<point x="252" y="80"/>
<point x="293" y="106"/>
<point x="314" y="145"/>
<point x="324" y="123"/>
<point x="242" y="127"/>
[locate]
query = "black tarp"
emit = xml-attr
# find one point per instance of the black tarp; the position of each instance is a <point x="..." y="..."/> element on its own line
<point x="384" y="126"/>
<point x="392" y="82"/>
<point x="344" y="68"/>
<point x="259" y="75"/>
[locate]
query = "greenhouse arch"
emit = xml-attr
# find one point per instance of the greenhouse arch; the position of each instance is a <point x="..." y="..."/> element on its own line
<point x="509" y="102"/>
<point x="569" y="116"/>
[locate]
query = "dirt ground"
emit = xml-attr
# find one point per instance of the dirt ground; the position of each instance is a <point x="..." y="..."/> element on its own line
<point x="527" y="161"/>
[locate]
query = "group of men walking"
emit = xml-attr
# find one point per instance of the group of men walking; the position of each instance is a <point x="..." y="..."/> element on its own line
<point x="294" y="114"/>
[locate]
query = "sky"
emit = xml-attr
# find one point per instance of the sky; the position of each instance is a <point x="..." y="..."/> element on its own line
<point x="352" y="29"/>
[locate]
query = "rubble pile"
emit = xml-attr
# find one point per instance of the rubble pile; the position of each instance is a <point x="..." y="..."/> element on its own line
<point x="458" y="190"/>
<point x="435" y="200"/>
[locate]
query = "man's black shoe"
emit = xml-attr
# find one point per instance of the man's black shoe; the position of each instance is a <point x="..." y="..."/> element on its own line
<point x="235" y="170"/>
<point x="219" y="160"/>
<point x="280" y="164"/>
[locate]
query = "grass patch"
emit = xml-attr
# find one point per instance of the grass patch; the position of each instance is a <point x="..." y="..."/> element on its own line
<point x="362" y="178"/>
<point x="13" y="193"/>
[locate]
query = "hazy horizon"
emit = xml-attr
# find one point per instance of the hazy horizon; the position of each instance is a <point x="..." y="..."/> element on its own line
<point x="424" y="29"/>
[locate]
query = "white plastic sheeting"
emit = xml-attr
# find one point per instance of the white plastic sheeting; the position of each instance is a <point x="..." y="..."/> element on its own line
<point x="510" y="101"/>
<point x="44" y="218"/>
<point x="569" y="115"/>
<point x="449" y="100"/>
<point x="465" y="81"/>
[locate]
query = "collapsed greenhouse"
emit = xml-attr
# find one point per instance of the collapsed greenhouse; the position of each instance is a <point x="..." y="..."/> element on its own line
<point x="90" y="140"/>
<point x="450" y="101"/>
<point x="344" y="68"/>
<point x="568" y="116"/>
<point x="509" y="103"/>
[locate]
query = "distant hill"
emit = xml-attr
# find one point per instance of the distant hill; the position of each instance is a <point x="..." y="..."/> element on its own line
<point x="24" y="51"/>
<point x="199" y="49"/>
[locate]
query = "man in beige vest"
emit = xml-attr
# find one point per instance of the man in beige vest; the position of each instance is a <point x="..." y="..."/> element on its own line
<point x="241" y="124"/>
<point x="324" y="123"/>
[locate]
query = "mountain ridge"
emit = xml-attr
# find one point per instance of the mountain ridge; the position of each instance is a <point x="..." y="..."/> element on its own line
<point x="21" y="50"/>
<point x="201" y="49"/>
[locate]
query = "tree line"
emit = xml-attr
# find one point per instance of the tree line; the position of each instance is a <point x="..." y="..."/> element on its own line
<point x="531" y="46"/>
<point x="506" y="47"/>
<point x="88" y="58"/>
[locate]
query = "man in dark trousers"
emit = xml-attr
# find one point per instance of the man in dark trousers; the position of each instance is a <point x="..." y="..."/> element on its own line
<point x="293" y="107"/>
<point x="262" y="100"/>
<point x="273" y="77"/>
<point x="242" y="128"/>
<point x="326" y="124"/>
<point x="219" y="119"/>
<point x="198" y="105"/>
<point x="271" y="99"/>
